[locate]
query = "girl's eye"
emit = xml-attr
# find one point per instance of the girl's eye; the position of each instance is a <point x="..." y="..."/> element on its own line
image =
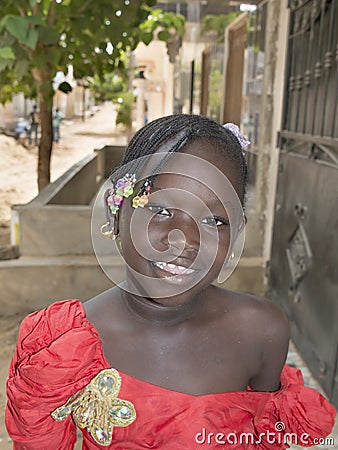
<point x="215" y="221"/>
<point x="159" y="210"/>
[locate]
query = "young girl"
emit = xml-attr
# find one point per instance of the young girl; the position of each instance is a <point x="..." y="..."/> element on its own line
<point x="166" y="360"/>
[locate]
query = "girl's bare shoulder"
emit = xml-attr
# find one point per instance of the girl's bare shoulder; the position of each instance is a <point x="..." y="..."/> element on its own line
<point x="252" y="313"/>
<point x="263" y="330"/>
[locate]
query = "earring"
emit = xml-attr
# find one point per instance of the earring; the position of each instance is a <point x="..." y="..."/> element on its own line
<point x="107" y="231"/>
<point x="224" y="272"/>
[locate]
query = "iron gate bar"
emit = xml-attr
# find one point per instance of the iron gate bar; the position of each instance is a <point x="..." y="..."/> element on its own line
<point x="307" y="73"/>
<point x="318" y="65"/>
<point x="303" y="137"/>
<point x="334" y="119"/>
<point x="328" y="153"/>
<point x="294" y="5"/>
<point x="328" y="62"/>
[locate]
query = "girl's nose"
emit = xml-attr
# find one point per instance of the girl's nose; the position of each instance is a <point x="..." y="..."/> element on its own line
<point x="184" y="231"/>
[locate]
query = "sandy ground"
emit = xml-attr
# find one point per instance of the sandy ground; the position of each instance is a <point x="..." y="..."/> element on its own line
<point x="18" y="185"/>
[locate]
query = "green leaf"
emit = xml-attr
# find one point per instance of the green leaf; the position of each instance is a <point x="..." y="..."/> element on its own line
<point x="6" y="53"/>
<point x="17" y="26"/>
<point x="164" y="35"/>
<point x="3" y="22"/>
<point x="21" y="68"/>
<point x="35" y="20"/>
<point x="19" y="51"/>
<point x="48" y="36"/>
<point x="32" y="38"/>
<point x="146" y="37"/>
<point x="6" y="41"/>
<point x="55" y="55"/>
<point x="5" y="63"/>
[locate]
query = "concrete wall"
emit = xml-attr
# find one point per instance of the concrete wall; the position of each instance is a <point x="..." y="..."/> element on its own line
<point x="54" y="230"/>
<point x="276" y="39"/>
<point x="157" y="88"/>
<point x="29" y="284"/>
<point x="10" y="112"/>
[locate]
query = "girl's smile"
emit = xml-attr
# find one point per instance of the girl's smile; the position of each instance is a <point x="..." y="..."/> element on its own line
<point x="174" y="269"/>
<point x="174" y="273"/>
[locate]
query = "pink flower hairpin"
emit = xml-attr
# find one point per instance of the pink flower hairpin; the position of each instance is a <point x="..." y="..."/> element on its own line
<point x="234" y="129"/>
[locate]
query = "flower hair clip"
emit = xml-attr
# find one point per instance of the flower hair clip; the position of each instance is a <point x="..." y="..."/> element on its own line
<point x="124" y="188"/>
<point x="141" y="199"/>
<point x="234" y="129"/>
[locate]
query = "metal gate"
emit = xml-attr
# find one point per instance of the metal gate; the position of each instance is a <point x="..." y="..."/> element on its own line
<point x="304" y="261"/>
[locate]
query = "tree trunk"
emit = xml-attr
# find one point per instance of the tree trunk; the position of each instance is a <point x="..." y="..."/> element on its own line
<point x="45" y="145"/>
<point x="44" y="87"/>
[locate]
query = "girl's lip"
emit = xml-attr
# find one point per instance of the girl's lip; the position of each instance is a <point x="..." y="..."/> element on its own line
<point x="174" y="269"/>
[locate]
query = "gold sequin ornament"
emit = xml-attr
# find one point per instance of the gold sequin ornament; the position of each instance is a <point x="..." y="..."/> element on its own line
<point x="143" y="200"/>
<point x="97" y="408"/>
<point x="140" y="201"/>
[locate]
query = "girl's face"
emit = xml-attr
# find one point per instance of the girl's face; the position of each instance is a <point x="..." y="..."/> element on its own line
<point x="176" y="245"/>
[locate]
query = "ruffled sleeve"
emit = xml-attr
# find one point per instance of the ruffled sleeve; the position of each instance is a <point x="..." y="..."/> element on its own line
<point x="296" y="414"/>
<point x="57" y="354"/>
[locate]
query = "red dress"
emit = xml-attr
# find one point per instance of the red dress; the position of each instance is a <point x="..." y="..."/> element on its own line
<point x="59" y="352"/>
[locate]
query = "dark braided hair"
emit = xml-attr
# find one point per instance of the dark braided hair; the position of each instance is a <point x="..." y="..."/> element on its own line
<point x="182" y="128"/>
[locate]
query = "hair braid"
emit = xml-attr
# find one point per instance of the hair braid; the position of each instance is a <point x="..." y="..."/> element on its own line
<point x="185" y="128"/>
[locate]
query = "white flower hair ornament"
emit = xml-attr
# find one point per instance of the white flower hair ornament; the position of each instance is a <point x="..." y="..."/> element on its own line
<point x="234" y="129"/>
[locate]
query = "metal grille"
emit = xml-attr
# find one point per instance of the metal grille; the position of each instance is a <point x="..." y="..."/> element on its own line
<point x="312" y="90"/>
<point x="304" y="260"/>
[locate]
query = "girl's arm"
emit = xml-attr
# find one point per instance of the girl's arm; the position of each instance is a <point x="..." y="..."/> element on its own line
<point x="32" y="398"/>
<point x="274" y="337"/>
<point x="57" y="354"/>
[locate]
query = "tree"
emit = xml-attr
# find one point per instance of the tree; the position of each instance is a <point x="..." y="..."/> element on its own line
<point x="40" y="37"/>
<point x="114" y="87"/>
<point x="167" y="27"/>
<point x="216" y="24"/>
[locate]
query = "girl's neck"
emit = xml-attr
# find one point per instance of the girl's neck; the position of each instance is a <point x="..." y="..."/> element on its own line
<point x="160" y="315"/>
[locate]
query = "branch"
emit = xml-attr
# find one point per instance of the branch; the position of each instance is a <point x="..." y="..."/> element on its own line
<point x="84" y="6"/>
<point x="35" y="9"/>
<point x="51" y="14"/>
